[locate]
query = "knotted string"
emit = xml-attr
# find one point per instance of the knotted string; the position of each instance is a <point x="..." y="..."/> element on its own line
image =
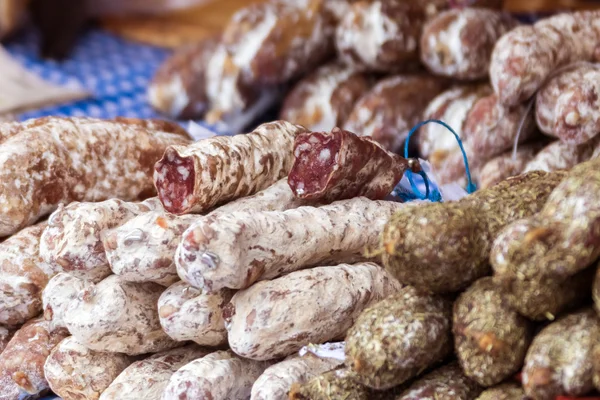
<point x="409" y="174"/>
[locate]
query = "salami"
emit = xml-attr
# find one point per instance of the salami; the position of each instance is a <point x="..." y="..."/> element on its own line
<point x="22" y="362"/>
<point x="72" y="241"/>
<point x="5" y="336"/>
<point x="445" y="383"/>
<point x="504" y="166"/>
<point x="392" y="107"/>
<point x="340" y="165"/>
<point x="458" y="43"/>
<point x="118" y="316"/>
<point x="567" y="106"/>
<point x="216" y="170"/>
<point x="57" y="295"/>
<point x="186" y="313"/>
<point x="75" y="372"/>
<point x="23" y="276"/>
<point x="236" y="250"/>
<point x="60" y="160"/>
<point x="324" y="99"/>
<point x="558" y="156"/>
<point x="219" y="375"/>
<point x="274" y="319"/>
<point x="524" y="58"/>
<point x="147" y="379"/>
<point x="143" y="249"/>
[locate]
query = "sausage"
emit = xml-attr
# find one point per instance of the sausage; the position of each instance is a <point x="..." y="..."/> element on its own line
<point x="143" y="249"/>
<point x="148" y="378"/>
<point x="74" y="372"/>
<point x="186" y="313"/>
<point x="60" y="160"/>
<point x="525" y="57"/>
<point x="490" y="338"/>
<point x="392" y="107"/>
<point x="72" y="241"/>
<point x="22" y="361"/>
<point x="505" y="391"/>
<point x="504" y="166"/>
<point x="324" y="99"/>
<point x="277" y="380"/>
<point x="458" y="43"/>
<point x="218" y="376"/>
<point x="234" y="251"/>
<point x="178" y="88"/>
<point x="220" y="169"/>
<point x="341" y="165"/>
<point x="445" y="383"/>
<point x="450" y="243"/>
<point x="23" y="276"/>
<point x="559" y="361"/>
<point x="118" y="316"/>
<point x="276" y="318"/>
<point x="561" y="156"/>
<point x="336" y="384"/>
<point x="385" y="354"/>
<point x="566" y="107"/>
<point x="57" y="295"/>
<point x="5" y="336"/>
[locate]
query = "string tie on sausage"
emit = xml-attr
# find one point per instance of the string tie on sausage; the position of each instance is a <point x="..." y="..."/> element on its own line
<point x="429" y="195"/>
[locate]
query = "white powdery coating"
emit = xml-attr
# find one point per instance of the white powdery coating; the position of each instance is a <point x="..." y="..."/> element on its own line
<point x="235" y="250"/>
<point x="245" y="164"/>
<point x="186" y="313"/>
<point x="147" y="379"/>
<point x="170" y="96"/>
<point x="74" y="371"/>
<point x="23" y="276"/>
<point x="219" y="375"/>
<point x="561" y="156"/>
<point x="276" y="318"/>
<point x="374" y="30"/>
<point x="60" y="160"/>
<point x="57" y="295"/>
<point x="118" y="316"/>
<point x="5" y="336"/>
<point x="276" y="381"/>
<point x="524" y="58"/>
<point x="72" y="241"/>
<point x="563" y="352"/>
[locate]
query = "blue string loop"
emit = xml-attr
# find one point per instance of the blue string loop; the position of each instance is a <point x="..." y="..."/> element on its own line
<point x="409" y="174"/>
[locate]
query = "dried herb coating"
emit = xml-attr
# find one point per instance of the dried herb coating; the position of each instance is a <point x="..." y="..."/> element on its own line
<point x="449" y="243"/>
<point x="490" y="338"/>
<point x="445" y="383"/>
<point x="398" y="338"/>
<point x="505" y="391"/>
<point x="333" y="385"/>
<point x="559" y="361"/>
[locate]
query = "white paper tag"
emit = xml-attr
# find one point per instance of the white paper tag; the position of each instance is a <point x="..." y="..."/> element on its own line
<point x="328" y="350"/>
<point x="23" y="90"/>
<point x="198" y="132"/>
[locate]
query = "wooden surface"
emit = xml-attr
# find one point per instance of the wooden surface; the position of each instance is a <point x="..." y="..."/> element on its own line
<point x="191" y="25"/>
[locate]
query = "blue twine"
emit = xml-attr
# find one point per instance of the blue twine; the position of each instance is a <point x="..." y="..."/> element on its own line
<point x="409" y="174"/>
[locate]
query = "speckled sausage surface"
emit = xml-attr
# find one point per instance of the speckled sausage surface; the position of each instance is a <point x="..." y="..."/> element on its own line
<point x="186" y="313"/>
<point x="336" y="384"/>
<point x="504" y="166"/>
<point x="505" y="391"/>
<point x="147" y="379"/>
<point x="561" y="156"/>
<point x="60" y="160"/>
<point x="567" y="106"/>
<point x="5" y="336"/>
<point x="23" y="276"/>
<point x="276" y="318"/>
<point x="324" y="99"/>
<point x="218" y="376"/>
<point x="490" y="338"/>
<point x="458" y="43"/>
<point x="118" y="316"/>
<point x="341" y="165"/>
<point x="525" y="57"/>
<point x="57" y="295"/>
<point x="214" y="171"/>
<point x="22" y="362"/>
<point x="277" y="380"/>
<point x="238" y="249"/>
<point x="445" y="383"/>
<point x="72" y="241"/>
<point x="559" y="361"/>
<point x="392" y="107"/>
<point x="399" y="337"/>
<point x="76" y="373"/>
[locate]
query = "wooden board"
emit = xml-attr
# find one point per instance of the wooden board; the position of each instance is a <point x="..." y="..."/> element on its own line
<point x="182" y="27"/>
